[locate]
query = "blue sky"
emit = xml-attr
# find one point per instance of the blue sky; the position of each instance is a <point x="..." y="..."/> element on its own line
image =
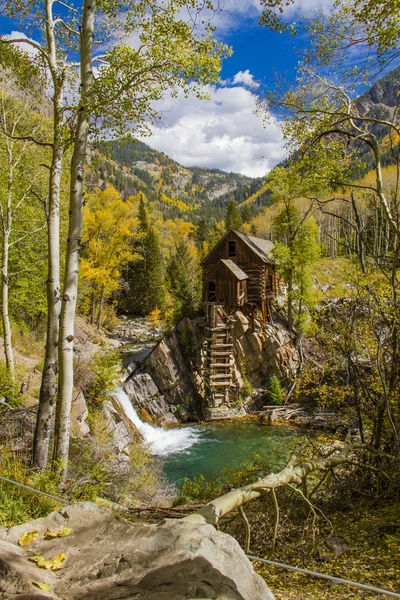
<point x="223" y="132"/>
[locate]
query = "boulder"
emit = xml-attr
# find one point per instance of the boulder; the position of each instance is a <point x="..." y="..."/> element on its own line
<point x="168" y="420"/>
<point x="119" y="427"/>
<point x="141" y="388"/>
<point x="108" y="558"/>
<point x="174" y="363"/>
<point x="242" y="324"/>
<point x="337" y="544"/>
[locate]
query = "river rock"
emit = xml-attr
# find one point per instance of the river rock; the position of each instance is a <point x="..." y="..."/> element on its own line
<point x="337" y="544"/>
<point x="141" y="388"/>
<point x="145" y="395"/>
<point x="107" y="558"/>
<point x="118" y="426"/>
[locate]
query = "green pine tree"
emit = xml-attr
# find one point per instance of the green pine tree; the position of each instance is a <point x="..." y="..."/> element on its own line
<point x="202" y="232"/>
<point x="153" y="287"/>
<point x="233" y="219"/>
<point x="185" y="282"/>
<point x="274" y="391"/>
<point x="245" y="213"/>
<point x="145" y="275"/>
<point x="142" y="216"/>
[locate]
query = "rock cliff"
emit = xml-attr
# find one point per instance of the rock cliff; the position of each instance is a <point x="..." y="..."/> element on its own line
<point x="168" y="386"/>
<point x="107" y="557"/>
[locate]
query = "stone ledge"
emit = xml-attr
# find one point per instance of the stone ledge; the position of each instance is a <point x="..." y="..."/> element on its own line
<point x="221" y="413"/>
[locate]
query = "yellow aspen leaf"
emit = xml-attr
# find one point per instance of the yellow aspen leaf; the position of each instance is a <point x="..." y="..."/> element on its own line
<point x="28" y="537"/>
<point x="42" y="586"/>
<point x="63" y="532"/>
<point x="54" y="564"/>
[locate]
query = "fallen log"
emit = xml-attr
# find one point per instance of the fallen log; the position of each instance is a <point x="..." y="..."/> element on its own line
<point x="290" y="476"/>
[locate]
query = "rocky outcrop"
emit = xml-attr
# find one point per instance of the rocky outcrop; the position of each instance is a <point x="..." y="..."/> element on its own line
<point x="119" y="427"/>
<point x="263" y="351"/>
<point x="149" y="402"/>
<point x="165" y="388"/>
<point x="169" y="384"/>
<point x="107" y="557"/>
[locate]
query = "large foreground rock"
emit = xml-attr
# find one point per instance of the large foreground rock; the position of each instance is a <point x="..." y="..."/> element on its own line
<point x="109" y="558"/>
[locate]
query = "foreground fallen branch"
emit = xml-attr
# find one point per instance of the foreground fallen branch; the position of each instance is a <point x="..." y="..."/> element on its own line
<point x="289" y="476"/>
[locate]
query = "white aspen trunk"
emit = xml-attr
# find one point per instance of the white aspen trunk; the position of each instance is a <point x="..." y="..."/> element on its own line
<point x="48" y="388"/>
<point x="4" y="296"/>
<point x="6" y="218"/>
<point x="380" y="191"/>
<point x="70" y="290"/>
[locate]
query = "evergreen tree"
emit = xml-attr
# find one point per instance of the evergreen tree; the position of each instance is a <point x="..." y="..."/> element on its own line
<point x="153" y="290"/>
<point x="245" y="213"/>
<point x="185" y="282"/>
<point x="233" y="219"/>
<point x="202" y="232"/>
<point x="142" y="215"/>
<point x="274" y="391"/>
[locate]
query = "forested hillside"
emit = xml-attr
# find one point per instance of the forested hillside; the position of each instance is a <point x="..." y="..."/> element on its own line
<point x="134" y="166"/>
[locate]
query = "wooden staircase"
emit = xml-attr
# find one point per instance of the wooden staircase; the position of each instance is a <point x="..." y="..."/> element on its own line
<point x="218" y="356"/>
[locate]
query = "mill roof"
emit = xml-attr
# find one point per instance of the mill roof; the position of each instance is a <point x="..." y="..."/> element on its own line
<point x="237" y="271"/>
<point x="260" y="246"/>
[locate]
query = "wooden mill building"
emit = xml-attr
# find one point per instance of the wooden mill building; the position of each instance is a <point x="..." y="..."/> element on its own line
<point x="239" y="271"/>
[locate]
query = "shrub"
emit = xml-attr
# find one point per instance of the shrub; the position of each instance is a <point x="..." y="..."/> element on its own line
<point x="246" y="389"/>
<point x="274" y="391"/>
<point x="17" y="504"/>
<point x="97" y="376"/>
<point x="10" y="387"/>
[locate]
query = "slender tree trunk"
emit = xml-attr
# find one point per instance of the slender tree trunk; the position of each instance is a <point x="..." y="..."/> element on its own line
<point x="100" y="309"/>
<point x="359" y="234"/>
<point x="290" y="300"/>
<point x="4" y="295"/>
<point x="7" y="218"/>
<point x="93" y="309"/>
<point x="70" y="290"/>
<point x="48" y="388"/>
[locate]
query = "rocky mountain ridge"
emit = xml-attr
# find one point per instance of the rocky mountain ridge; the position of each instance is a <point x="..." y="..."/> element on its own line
<point x="134" y="166"/>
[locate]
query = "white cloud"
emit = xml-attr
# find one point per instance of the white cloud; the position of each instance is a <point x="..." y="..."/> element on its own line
<point x="230" y="15"/>
<point x="222" y="132"/>
<point x="303" y="7"/>
<point x="246" y="78"/>
<point x="27" y="47"/>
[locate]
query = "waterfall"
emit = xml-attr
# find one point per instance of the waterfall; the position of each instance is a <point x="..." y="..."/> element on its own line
<point x="161" y="441"/>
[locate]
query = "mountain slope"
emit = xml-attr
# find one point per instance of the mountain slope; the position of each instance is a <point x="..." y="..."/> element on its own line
<point x="180" y="191"/>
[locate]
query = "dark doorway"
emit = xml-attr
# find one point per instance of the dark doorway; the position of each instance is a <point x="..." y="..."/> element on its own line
<point x="212" y="294"/>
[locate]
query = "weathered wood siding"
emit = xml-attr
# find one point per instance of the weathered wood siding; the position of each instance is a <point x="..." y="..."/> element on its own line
<point x="228" y="290"/>
<point x="244" y="254"/>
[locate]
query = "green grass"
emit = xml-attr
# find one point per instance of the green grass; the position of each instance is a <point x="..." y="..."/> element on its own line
<point x="335" y="273"/>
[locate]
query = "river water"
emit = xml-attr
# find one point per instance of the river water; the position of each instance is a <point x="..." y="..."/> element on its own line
<point x="205" y="449"/>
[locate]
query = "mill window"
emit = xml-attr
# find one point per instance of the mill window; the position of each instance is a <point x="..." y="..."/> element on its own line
<point x="232" y="249"/>
<point x="212" y="294"/>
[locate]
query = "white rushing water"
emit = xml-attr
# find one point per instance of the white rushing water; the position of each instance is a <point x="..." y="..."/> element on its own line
<point x="161" y="441"/>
